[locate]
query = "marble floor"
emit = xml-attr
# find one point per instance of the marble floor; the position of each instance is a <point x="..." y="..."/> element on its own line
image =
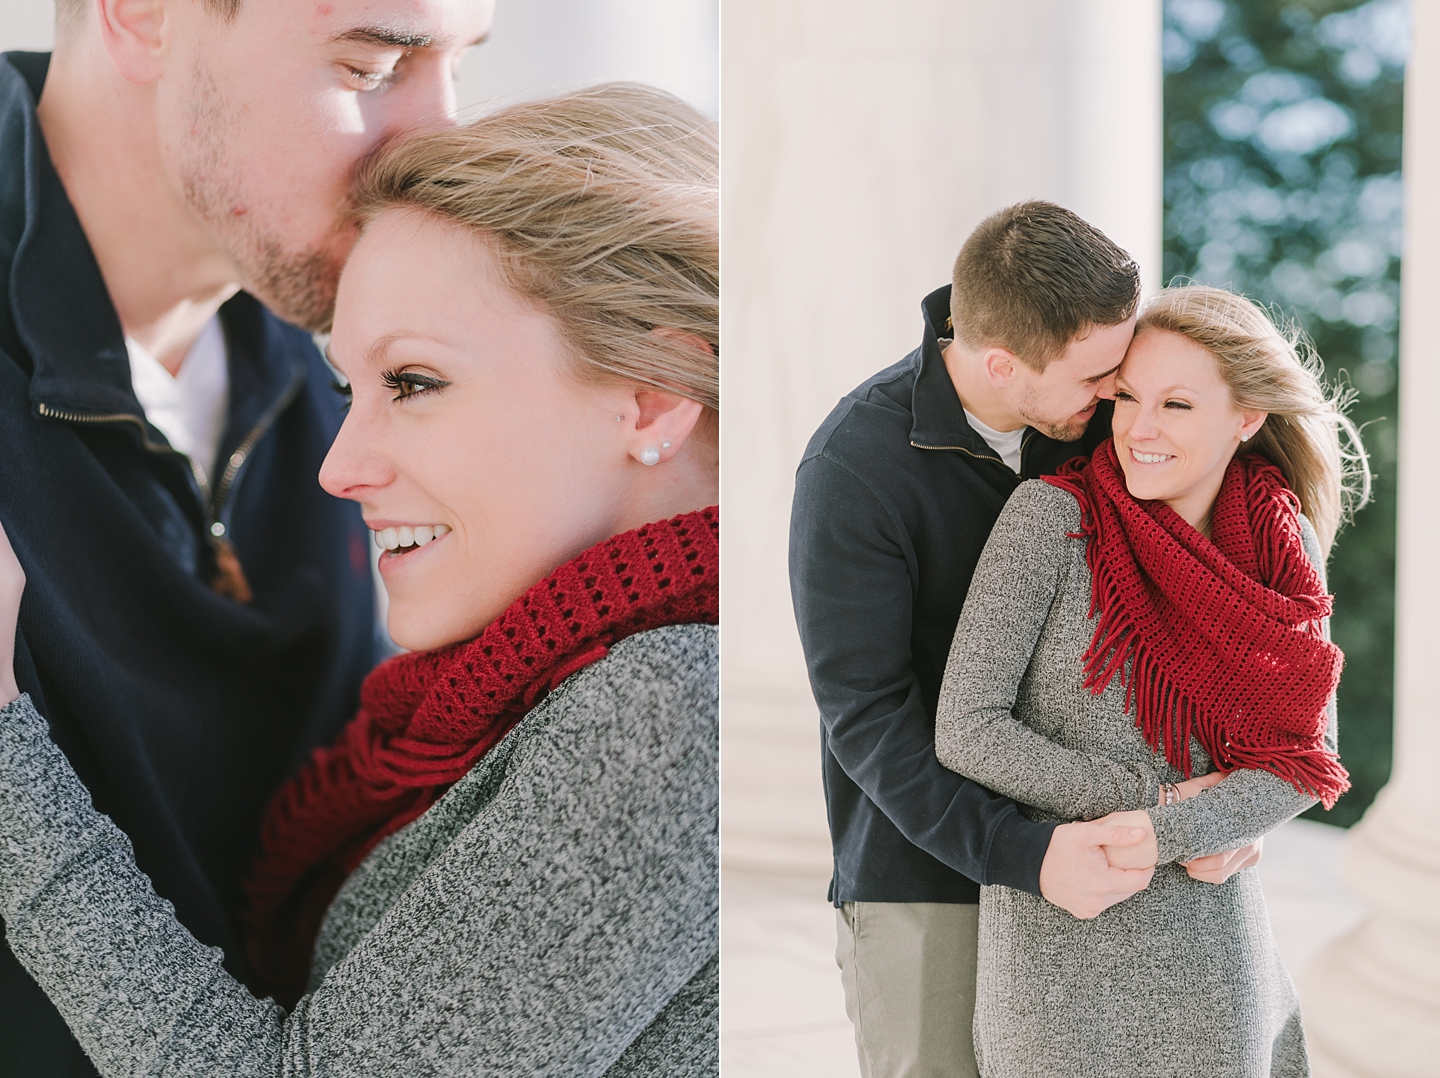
<point x="782" y="1012"/>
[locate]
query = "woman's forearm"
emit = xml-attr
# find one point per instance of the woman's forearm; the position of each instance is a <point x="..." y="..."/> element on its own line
<point x="986" y="743"/>
<point x="1245" y="806"/>
<point x="86" y="923"/>
<point x="976" y="732"/>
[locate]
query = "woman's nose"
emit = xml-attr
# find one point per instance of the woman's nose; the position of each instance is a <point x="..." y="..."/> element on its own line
<point x="356" y="462"/>
<point x="1145" y="426"/>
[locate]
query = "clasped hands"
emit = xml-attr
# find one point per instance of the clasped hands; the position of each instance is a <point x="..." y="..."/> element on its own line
<point x="1092" y="865"/>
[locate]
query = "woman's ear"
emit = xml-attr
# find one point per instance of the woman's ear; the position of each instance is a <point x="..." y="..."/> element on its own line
<point x="685" y="337"/>
<point x="666" y="419"/>
<point x="1250" y="422"/>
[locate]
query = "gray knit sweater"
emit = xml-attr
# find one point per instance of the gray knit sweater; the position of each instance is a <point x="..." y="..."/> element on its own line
<point x="554" y="914"/>
<point x="1183" y="978"/>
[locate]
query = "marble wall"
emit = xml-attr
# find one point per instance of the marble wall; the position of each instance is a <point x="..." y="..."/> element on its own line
<point x="862" y="143"/>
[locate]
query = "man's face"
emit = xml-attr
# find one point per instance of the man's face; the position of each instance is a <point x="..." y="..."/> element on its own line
<point x="264" y="119"/>
<point x="1060" y="400"/>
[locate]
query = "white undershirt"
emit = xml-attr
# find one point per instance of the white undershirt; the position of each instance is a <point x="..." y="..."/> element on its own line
<point x="1004" y="442"/>
<point x="189" y="408"/>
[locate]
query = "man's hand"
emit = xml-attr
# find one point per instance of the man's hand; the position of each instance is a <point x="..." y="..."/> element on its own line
<point x="1219" y="867"/>
<point x="1132" y="855"/>
<point x="1076" y="874"/>
<point x="12" y="584"/>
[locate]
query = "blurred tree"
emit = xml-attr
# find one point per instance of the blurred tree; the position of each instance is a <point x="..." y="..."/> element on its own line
<point x="1282" y="181"/>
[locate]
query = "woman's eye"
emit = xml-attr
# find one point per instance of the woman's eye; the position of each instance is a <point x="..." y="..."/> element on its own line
<point x="1179" y="405"/>
<point x="1121" y="395"/>
<point x="406" y="384"/>
<point x="346" y="394"/>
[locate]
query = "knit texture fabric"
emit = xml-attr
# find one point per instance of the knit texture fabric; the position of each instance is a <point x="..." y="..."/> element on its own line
<point x="1217" y="639"/>
<point x="426" y="717"/>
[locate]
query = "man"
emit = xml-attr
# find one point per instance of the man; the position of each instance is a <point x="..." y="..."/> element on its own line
<point x="199" y="613"/>
<point x="894" y="499"/>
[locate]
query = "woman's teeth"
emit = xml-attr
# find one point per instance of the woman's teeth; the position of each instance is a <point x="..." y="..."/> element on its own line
<point x="406" y="537"/>
<point x="1149" y="458"/>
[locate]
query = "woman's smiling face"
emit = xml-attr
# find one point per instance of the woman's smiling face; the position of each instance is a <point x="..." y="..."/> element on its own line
<point x="1176" y="425"/>
<point x="467" y="424"/>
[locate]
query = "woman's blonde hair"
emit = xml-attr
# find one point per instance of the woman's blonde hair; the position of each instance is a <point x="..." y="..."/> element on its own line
<point x="602" y="206"/>
<point x="1273" y="368"/>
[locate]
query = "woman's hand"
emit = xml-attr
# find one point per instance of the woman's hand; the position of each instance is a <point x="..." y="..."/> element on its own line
<point x="1142" y="854"/>
<point x="12" y="585"/>
<point x="1191" y="787"/>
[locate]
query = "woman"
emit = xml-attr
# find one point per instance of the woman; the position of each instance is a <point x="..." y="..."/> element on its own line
<point x="1146" y="639"/>
<point x="506" y="864"/>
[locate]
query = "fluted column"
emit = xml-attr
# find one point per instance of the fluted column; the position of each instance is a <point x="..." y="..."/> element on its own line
<point x="862" y="143"/>
<point x="1372" y="998"/>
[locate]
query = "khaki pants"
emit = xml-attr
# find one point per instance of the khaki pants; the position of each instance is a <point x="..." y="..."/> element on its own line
<point x="909" y="974"/>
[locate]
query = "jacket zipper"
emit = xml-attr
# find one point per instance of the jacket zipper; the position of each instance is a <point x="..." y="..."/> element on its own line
<point x="1025" y="440"/>
<point x="961" y="449"/>
<point x="232" y="580"/>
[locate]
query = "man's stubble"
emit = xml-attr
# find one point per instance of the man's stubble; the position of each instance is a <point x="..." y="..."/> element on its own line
<point x="297" y="285"/>
<point x="1069" y="429"/>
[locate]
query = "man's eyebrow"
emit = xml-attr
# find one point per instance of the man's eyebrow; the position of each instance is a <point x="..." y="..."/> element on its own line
<point x="386" y="37"/>
<point x="1107" y="374"/>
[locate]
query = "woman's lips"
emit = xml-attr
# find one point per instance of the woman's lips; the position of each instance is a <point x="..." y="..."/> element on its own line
<point x="394" y="551"/>
<point x="1149" y="459"/>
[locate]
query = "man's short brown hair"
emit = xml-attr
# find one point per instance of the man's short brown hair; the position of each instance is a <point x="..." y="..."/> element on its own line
<point x="1033" y="277"/>
<point x="70" y="12"/>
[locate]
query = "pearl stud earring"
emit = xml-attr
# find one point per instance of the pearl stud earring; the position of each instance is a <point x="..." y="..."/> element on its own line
<point x="649" y="455"/>
<point x="664" y="445"/>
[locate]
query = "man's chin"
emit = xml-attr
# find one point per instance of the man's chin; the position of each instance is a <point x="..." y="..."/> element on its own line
<point x="1071" y="430"/>
<point x="298" y="287"/>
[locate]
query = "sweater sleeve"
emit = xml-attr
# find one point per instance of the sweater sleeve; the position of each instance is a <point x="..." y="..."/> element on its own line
<point x="1246" y="804"/>
<point x="976" y="731"/>
<point x="576" y="904"/>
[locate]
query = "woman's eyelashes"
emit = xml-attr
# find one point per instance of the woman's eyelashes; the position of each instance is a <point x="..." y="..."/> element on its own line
<point x="1175" y="405"/>
<point x="346" y="394"/>
<point x="406" y="384"/>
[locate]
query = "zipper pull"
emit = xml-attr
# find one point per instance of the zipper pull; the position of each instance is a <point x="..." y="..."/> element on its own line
<point x="231" y="582"/>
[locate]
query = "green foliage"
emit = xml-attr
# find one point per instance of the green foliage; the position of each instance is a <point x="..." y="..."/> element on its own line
<point x="1282" y="181"/>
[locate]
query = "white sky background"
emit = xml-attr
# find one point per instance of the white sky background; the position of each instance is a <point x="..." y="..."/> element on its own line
<point x="538" y="47"/>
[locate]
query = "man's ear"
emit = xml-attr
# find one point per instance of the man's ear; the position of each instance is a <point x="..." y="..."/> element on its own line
<point x="666" y="419"/>
<point x="1000" y="364"/>
<point x="135" y="34"/>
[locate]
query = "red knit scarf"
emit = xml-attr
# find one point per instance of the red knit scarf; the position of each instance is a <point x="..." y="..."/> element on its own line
<point x="426" y="718"/>
<point x="1217" y="639"/>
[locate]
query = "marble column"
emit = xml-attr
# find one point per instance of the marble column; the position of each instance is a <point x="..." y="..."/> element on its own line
<point x="1372" y="998"/>
<point x="862" y="143"/>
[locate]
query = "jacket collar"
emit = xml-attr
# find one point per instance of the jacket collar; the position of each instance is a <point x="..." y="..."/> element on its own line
<point x="62" y="311"/>
<point x="938" y="419"/>
<point x="68" y="325"/>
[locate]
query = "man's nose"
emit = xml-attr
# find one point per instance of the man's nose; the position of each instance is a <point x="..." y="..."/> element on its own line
<point x="425" y="101"/>
<point x="1105" y="390"/>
